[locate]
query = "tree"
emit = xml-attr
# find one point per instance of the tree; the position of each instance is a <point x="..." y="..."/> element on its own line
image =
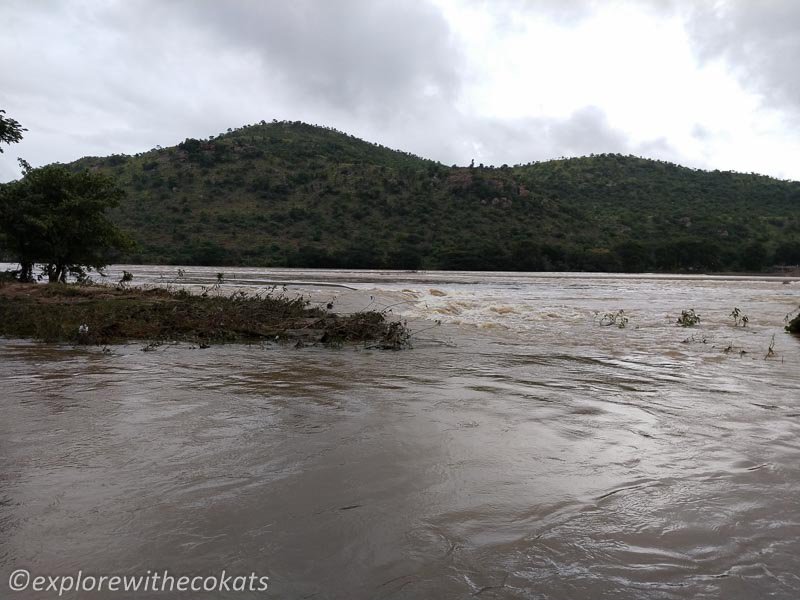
<point x="10" y="130"/>
<point x="57" y="218"/>
<point x="788" y="253"/>
<point x="633" y="256"/>
<point x="754" y="256"/>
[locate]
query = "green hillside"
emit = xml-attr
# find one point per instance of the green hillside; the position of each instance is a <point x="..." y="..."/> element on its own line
<point x="291" y="194"/>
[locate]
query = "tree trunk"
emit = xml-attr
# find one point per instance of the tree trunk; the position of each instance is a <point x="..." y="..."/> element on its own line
<point x="56" y="273"/>
<point x="25" y="272"/>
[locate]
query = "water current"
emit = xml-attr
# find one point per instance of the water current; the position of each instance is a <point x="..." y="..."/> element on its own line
<point x="521" y="449"/>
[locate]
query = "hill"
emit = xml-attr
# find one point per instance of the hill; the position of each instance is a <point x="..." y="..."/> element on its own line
<point x="292" y="194"/>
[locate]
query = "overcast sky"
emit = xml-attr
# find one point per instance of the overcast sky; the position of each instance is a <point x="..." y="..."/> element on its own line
<point x="711" y="84"/>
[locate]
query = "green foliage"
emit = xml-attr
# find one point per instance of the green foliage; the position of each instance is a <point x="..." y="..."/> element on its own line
<point x="10" y="130"/>
<point x="297" y="195"/>
<point x="788" y="253"/>
<point x="87" y="314"/>
<point x="57" y="218"/>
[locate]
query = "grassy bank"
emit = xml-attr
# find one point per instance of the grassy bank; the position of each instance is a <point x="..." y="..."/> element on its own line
<point x="92" y="314"/>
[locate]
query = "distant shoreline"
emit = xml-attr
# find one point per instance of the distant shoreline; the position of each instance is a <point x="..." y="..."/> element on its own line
<point x="162" y="274"/>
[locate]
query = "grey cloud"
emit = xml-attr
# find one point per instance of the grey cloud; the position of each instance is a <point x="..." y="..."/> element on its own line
<point x="701" y="133"/>
<point x="566" y="13"/>
<point x="660" y="148"/>
<point x="94" y="78"/>
<point x="496" y="142"/>
<point x="562" y="12"/>
<point x="90" y="77"/>
<point x="372" y="58"/>
<point x="758" y="40"/>
<point x="586" y="131"/>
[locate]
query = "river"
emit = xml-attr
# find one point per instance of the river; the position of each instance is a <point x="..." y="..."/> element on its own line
<point x="521" y="449"/>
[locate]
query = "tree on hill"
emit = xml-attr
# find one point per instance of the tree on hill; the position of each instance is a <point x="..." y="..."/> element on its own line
<point x="56" y="218"/>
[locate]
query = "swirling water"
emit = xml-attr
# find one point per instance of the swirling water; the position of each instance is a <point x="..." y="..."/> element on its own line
<point x="521" y="450"/>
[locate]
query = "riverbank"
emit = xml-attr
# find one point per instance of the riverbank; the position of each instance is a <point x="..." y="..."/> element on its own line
<point x="98" y="314"/>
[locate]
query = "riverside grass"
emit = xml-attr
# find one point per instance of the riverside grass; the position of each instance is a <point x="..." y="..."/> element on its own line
<point x="99" y="314"/>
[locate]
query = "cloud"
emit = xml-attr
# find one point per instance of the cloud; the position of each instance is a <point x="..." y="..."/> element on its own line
<point x="757" y="40"/>
<point x="119" y="77"/>
<point x="507" y="15"/>
<point x="501" y="81"/>
<point x="585" y="131"/>
<point x="370" y="58"/>
<point x="495" y="141"/>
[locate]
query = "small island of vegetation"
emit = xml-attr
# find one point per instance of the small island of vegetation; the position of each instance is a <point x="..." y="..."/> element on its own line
<point x="103" y="314"/>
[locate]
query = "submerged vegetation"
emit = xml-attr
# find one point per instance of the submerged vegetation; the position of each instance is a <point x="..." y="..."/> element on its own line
<point x="617" y="319"/>
<point x="688" y="318"/>
<point x="739" y="318"/>
<point x="97" y="314"/>
<point x="771" y="350"/>
<point x="794" y="323"/>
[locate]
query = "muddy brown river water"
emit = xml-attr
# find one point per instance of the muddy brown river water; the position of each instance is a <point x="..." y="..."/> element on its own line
<point x="520" y="450"/>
